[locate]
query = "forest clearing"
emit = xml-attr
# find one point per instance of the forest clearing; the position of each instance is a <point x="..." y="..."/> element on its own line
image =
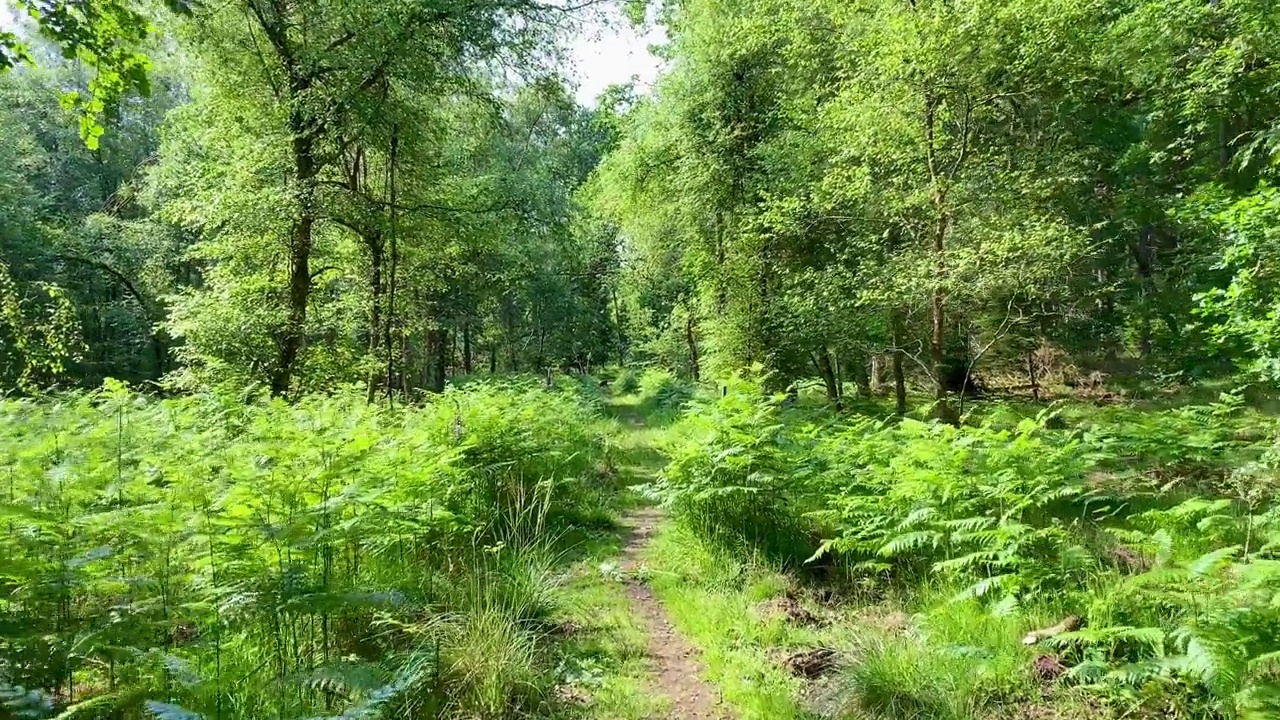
<point x="881" y="360"/>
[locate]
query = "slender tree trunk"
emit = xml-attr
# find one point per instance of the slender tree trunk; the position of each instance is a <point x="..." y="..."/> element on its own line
<point x="899" y="375"/>
<point x="305" y="170"/>
<point x="493" y="359"/>
<point x="822" y="358"/>
<point x="1031" y="373"/>
<point x="938" y="336"/>
<point x="940" y="181"/>
<point x="466" y="348"/>
<point x="617" y="323"/>
<point x="441" y="363"/>
<point x="374" y="244"/>
<point x="877" y="373"/>
<point x="451" y="353"/>
<point x="435" y="359"/>
<point x="161" y="351"/>
<point x="722" y="291"/>
<point x="392" y="324"/>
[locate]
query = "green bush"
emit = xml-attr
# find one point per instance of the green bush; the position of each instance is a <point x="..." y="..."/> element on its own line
<point x="627" y="382"/>
<point x="661" y="389"/>
<point x="732" y="474"/>
<point x="979" y="505"/>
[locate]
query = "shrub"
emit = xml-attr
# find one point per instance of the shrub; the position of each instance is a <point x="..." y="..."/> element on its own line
<point x="660" y="389"/>
<point x="1203" y="635"/>
<point x="732" y="474"/>
<point x="627" y="382"/>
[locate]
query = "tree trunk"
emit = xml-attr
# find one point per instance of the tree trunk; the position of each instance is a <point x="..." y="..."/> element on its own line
<point x="617" y="326"/>
<point x="1031" y="373"/>
<point x="942" y="226"/>
<point x="899" y="376"/>
<point x="293" y="335"/>
<point x="374" y="244"/>
<point x="859" y="369"/>
<point x="300" y="244"/>
<point x="509" y="324"/>
<point x="435" y="358"/>
<point x="722" y="292"/>
<point x="938" y="336"/>
<point x="822" y="359"/>
<point x="451" y="353"/>
<point x="493" y="359"/>
<point x="466" y="349"/>
<point x="877" y="373"/>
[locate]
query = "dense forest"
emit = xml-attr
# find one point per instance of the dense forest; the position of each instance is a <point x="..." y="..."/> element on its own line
<point x="884" y="360"/>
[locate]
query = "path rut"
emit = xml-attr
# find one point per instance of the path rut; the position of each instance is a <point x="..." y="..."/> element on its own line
<point x="677" y="665"/>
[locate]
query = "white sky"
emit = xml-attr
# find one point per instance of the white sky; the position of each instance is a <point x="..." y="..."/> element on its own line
<point x="610" y="51"/>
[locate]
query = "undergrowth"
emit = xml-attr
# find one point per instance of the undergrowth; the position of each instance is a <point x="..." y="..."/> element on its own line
<point x="1154" y="541"/>
<point x="212" y="556"/>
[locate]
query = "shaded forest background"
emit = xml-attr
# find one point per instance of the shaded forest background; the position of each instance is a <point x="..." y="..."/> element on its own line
<point x="963" y="196"/>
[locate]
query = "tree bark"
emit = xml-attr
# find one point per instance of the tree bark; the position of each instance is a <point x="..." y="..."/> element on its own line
<point x="294" y="333"/>
<point x="509" y="323"/>
<point x="938" y="336"/>
<point x="899" y="376"/>
<point x="859" y="369"/>
<point x="722" y="292"/>
<point x="305" y="170"/>
<point x="1031" y="374"/>
<point x="617" y="326"/>
<point x="940" y="181"/>
<point x="822" y="358"/>
<point x="374" y="243"/>
<point x="435" y="359"/>
<point x="466" y="349"/>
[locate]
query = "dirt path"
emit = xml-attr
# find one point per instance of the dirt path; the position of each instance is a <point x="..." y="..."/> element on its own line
<point x="677" y="668"/>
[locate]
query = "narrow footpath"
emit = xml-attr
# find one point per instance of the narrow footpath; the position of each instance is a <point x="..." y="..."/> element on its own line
<point x="676" y="669"/>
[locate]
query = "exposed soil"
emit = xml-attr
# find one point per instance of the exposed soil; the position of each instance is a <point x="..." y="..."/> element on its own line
<point x="677" y="667"/>
<point x="812" y="664"/>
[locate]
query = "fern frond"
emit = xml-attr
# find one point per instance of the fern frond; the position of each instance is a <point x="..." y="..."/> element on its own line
<point x="345" y="677"/>
<point x="910" y="541"/>
<point x="965" y="562"/>
<point x="983" y="587"/>
<point x="1211" y="562"/>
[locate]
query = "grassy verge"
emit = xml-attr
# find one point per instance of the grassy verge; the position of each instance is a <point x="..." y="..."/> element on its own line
<point x="906" y="657"/>
<point x="713" y="599"/>
<point x="602" y="649"/>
